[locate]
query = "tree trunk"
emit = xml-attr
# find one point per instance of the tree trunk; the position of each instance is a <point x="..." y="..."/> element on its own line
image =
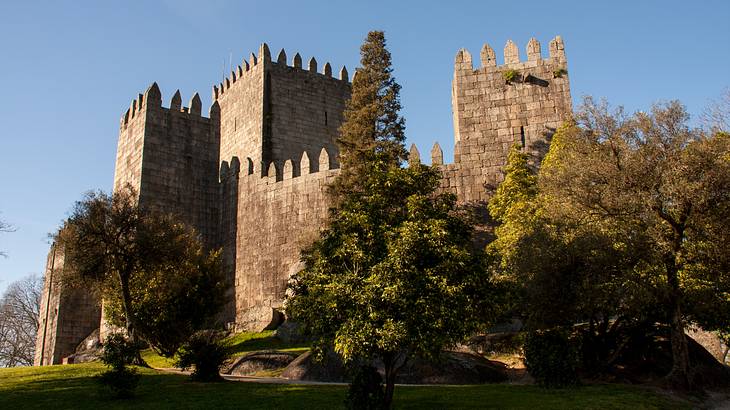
<point x="389" y="367"/>
<point x="131" y="323"/>
<point x="679" y="376"/>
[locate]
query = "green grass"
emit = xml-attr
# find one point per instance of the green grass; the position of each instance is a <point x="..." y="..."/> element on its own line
<point x="73" y="386"/>
<point x="241" y="343"/>
<point x="255" y="341"/>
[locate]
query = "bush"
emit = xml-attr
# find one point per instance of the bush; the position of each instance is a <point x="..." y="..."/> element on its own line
<point x="510" y="75"/>
<point x="117" y="353"/>
<point x="122" y="382"/>
<point x="559" y="72"/>
<point x="366" y="390"/>
<point x="552" y="358"/>
<point x="206" y="353"/>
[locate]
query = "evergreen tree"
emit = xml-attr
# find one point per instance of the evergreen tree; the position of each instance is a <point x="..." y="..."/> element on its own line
<point x="373" y="128"/>
<point x="394" y="274"/>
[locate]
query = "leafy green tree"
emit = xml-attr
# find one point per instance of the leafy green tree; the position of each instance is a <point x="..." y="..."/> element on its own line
<point x="149" y="267"/>
<point x="662" y="191"/>
<point x="394" y="273"/>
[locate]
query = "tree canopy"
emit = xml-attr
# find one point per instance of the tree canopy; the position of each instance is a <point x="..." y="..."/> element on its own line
<point x="153" y="274"/>
<point x="632" y="211"/>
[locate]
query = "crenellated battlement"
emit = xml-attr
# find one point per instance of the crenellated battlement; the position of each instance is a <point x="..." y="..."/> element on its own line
<point x="277" y="171"/>
<point x="511" y="56"/>
<point x="152" y="99"/>
<point x="264" y="58"/>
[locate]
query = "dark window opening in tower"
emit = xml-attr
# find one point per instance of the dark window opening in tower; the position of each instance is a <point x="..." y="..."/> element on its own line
<point x="522" y="136"/>
<point x="325" y="118"/>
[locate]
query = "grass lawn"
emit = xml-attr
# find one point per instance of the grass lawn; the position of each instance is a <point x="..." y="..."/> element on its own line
<point x="240" y="343"/>
<point x="73" y="386"/>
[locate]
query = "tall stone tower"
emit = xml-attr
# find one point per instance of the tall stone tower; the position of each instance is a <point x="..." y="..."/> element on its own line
<point x="496" y="106"/>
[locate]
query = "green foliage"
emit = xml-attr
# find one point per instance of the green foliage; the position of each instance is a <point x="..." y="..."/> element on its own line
<point x="372" y="124"/>
<point x="117" y="353"/>
<point x="206" y="353"/>
<point x="655" y="195"/>
<point x="551" y="358"/>
<point x="559" y="72"/>
<point x="366" y="390"/>
<point x="393" y="264"/>
<point x="122" y="382"/>
<point x="173" y="301"/>
<point x="510" y="75"/>
<point x="153" y="275"/>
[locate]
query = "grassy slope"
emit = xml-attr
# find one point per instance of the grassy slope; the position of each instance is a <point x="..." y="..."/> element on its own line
<point x="73" y="386"/>
<point x="241" y="343"/>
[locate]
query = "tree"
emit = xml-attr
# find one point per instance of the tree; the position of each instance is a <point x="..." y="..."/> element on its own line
<point x="19" y="308"/>
<point x="662" y="190"/>
<point x="394" y="273"/>
<point x="372" y="124"/>
<point x="149" y="267"/>
<point x="543" y="257"/>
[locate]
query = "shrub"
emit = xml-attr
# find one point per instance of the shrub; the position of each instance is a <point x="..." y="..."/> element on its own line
<point x="121" y="382"/>
<point x="559" y="72"/>
<point x="510" y="75"/>
<point x="366" y="390"/>
<point x="117" y="353"/>
<point x="552" y="358"/>
<point x="206" y="353"/>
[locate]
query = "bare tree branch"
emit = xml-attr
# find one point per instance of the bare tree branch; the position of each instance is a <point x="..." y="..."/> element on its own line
<point x="19" y="309"/>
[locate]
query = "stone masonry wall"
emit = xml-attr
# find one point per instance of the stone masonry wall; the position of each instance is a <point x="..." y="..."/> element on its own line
<point x="251" y="178"/>
<point x="241" y="102"/>
<point x="180" y="164"/>
<point x="303" y="109"/>
<point x="66" y="317"/>
<point x="491" y="114"/>
<point x="277" y="216"/>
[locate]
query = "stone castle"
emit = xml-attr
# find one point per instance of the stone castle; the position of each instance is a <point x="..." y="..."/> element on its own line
<point x="251" y="176"/>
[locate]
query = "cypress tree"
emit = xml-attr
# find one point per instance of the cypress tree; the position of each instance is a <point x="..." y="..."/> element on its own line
<point x="373" y="129"/>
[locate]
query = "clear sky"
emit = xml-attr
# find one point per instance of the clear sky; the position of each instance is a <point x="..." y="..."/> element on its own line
<point x="69" y="69"/>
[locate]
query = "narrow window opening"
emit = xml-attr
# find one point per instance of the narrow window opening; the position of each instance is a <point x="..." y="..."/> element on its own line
<point x="325" y="118"/>
<point x="522" y="136"/>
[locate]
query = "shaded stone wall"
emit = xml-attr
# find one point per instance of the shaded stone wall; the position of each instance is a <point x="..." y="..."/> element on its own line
<point x="67" y="316"/>
<point x="277" y="215"/>
<point x="180" y="164"/>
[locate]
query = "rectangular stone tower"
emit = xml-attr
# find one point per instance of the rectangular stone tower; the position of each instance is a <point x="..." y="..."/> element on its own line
<point x="495" y="107"/>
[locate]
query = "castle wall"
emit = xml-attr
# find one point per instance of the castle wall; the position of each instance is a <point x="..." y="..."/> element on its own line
<point x="67" y="316"/>
<point x="277" y="216"/>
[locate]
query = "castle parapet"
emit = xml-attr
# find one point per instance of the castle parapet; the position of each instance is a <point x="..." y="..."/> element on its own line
<point x="264" y="56"/>
<point x="152" y="100"/>
<point x="512" y="60"/>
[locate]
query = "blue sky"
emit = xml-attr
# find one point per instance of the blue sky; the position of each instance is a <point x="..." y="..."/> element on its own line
<point x="68" y="71"/>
